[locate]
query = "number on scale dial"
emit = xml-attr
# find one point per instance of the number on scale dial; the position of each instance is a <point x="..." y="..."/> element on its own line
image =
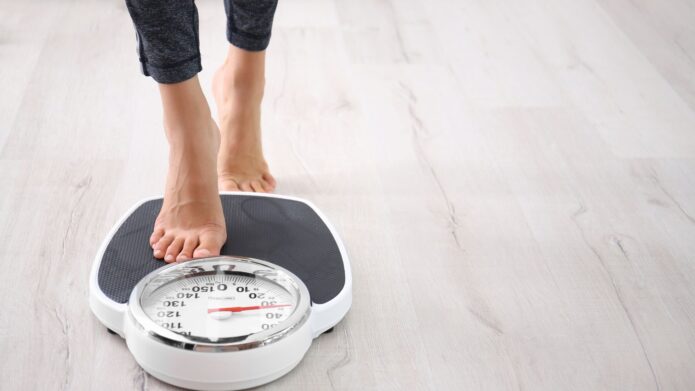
<point x="219" y="306"/>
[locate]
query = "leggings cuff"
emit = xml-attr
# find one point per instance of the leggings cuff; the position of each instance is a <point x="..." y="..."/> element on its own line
<point x="173" y="73"/>
<point x="252" y="44"/>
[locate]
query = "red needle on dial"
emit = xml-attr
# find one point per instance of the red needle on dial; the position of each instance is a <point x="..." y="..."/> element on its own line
<point x="249" y="308"/>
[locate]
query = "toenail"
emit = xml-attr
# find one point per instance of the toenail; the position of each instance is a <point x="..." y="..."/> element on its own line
<point x="157" y="253"/>
<point x="169" y="257"/>
<point x="203" y="252"/>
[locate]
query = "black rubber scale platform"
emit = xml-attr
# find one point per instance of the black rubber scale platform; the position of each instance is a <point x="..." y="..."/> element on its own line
<point x="285" y="232"/>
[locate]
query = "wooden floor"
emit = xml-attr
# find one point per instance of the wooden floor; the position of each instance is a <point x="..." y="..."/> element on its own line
<point x="514" y="181"/>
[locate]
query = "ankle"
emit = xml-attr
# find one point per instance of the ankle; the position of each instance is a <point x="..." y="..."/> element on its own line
<point x="239" y="88"/>
<point x="190" y="135"/>
<point x="183" y="102"/>
<point x="240" y="142"/>
<point x="241" y="79"/>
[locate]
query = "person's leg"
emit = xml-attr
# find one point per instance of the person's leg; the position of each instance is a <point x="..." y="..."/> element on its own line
<point x="167" y="37"/>
<point x="238" y="89"/>
<point x="190" y="223"/>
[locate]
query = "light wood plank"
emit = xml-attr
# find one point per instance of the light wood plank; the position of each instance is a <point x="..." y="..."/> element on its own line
<point x="515" y="184"/>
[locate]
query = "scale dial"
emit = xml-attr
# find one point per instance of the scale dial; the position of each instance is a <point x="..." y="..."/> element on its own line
<point x="220" y="303"/>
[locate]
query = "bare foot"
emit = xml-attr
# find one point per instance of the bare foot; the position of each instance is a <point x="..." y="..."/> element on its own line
<point x="190" y="223"/>
<point x="238" y="90"/>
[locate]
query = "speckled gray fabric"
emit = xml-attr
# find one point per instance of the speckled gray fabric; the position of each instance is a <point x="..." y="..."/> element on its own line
<point x="167" y="33"/>
<point x="249" y="23"/>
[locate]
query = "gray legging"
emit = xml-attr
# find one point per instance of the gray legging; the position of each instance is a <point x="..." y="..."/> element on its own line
<point x="167" y="33"/>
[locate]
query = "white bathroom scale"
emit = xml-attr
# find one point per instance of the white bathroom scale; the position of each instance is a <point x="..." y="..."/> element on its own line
<point x="231" y="322"/>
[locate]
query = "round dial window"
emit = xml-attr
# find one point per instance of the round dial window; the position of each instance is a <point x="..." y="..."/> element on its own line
<point x="221" y="300"/>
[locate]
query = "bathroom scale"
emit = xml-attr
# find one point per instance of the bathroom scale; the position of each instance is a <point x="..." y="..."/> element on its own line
<point x="228" y="322"/>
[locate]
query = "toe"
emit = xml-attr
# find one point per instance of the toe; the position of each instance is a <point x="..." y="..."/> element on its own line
<point x="210" y="245"/>
<point x="162" y="245"/>
<point x="201" y="253"/>
<point x="267" y="187"/>
<point x="156" y="235"/>
<point x="270" y="180"/>
<point x="246" y="186"/>
<point x="228" y="185"/>
<point x="187" y="251"/>
<point x="174" y="249"/>
<point x="257" y="187"/>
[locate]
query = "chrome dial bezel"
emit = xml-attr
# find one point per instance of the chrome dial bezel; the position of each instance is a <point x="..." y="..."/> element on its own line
<point x="221" y="264"/>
